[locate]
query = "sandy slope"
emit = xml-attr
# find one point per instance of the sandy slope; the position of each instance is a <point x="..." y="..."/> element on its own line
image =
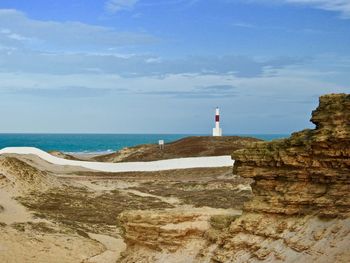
<point x="12" y="211"/>
<point x="51" y="212"/>
<point x="35" y="247"/>
<point x="24" y="236"/>
<point x="66" y="213"/>
<point x="179" y="163"/>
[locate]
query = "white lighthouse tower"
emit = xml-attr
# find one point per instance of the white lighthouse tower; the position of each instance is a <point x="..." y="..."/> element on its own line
<point x="217" y="130"/>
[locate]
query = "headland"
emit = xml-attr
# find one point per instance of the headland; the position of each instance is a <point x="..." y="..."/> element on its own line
<point x="282" y="201"/>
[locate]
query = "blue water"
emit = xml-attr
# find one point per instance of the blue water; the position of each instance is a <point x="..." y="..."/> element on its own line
<point x="95" y="143"/>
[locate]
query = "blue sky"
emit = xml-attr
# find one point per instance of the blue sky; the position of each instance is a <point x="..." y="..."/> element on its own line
<point x="147" y="66"/>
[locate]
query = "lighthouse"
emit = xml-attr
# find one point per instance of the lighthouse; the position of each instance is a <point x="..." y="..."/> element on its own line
<point x="217" y="130"/>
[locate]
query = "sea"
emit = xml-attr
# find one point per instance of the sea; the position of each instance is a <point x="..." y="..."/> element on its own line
<point x="98" y="143"/>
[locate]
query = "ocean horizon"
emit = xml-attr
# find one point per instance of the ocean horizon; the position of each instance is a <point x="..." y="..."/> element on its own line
<point x="90" y="143"/>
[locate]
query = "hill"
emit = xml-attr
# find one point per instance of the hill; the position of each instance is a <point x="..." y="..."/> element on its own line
<point x="193" y="146"/>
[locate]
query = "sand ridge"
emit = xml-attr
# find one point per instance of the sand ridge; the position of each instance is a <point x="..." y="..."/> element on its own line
<point x="178" y="163"/>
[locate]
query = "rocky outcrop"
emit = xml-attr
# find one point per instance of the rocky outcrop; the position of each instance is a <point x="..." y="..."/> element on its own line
<point x="301" y="195"/>
<point x="162" y="230"/>
<point x="299" y="211"/>
<point x="306" y="173"/>
<point x="262" y="237"/>
<point x="177" y="233"/>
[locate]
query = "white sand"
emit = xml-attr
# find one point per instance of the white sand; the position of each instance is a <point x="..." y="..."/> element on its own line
<point x="170" y="164"/>
<point x="114" y="247"/>
<point x="13" y="212"/>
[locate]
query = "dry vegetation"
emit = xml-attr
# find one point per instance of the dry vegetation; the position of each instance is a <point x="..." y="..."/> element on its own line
<point x="83" y="208"/>
<point x="187" y="147"/>
<point x="72" y="204"/>
<point x="216" y="194"/>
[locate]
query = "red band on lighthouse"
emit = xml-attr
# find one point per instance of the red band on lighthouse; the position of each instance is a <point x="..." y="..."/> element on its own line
<point x="217" y="118"/>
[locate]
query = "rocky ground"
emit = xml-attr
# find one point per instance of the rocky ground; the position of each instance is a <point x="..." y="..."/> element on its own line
<point x="283" y="201"/>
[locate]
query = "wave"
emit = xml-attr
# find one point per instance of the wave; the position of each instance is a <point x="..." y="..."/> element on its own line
<point x="97" y="152"/>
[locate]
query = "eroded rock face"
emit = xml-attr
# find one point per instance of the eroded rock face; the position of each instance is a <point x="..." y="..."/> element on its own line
<point x="298" y="182"/>
<point x="262" y="237"/>
<point x="171" y="235"/>
<point x="162" y="230"/>
<point x="299" y="211"/>
<point x="306" y="173"/>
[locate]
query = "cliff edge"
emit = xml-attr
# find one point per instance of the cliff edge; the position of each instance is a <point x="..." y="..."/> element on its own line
<point x="301" y="195"/>
<point x="299" y="211"/>
<point x="306" y="173"/>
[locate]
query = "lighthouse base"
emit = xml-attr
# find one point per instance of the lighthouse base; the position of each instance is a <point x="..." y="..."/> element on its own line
<point x="217" y="132"/>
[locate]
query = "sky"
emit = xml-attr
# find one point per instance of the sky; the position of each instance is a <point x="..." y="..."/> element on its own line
<point x="151" y="66"/>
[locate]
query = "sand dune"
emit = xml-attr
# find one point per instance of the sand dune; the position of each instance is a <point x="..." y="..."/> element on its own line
<point x="64" y="213"/>
<point x="178" y="163"/>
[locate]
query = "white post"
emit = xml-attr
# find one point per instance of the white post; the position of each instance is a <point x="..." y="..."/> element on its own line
<point x="161" y="144"/>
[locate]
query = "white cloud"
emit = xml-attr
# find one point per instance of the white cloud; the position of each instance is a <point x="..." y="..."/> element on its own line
<point x="9" y="35"/>
<point x="55" y="103"/>
<point x="114" y="6"/>
<point x="244" y="25"/>
<point x="33" y="46"/>
<point x="341" y="6"/>
<point x="5" y="31"/>
<point x="17" y="29"/>
<point x="19" y="60"/>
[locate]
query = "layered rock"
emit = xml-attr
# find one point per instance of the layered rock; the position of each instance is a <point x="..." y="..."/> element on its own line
<point x="298" y="182"/>
<point x="263" y="237"/>
<point x="299" y="212"/>
<point x="154" y="235"/>
<point x="306" y="173"/>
